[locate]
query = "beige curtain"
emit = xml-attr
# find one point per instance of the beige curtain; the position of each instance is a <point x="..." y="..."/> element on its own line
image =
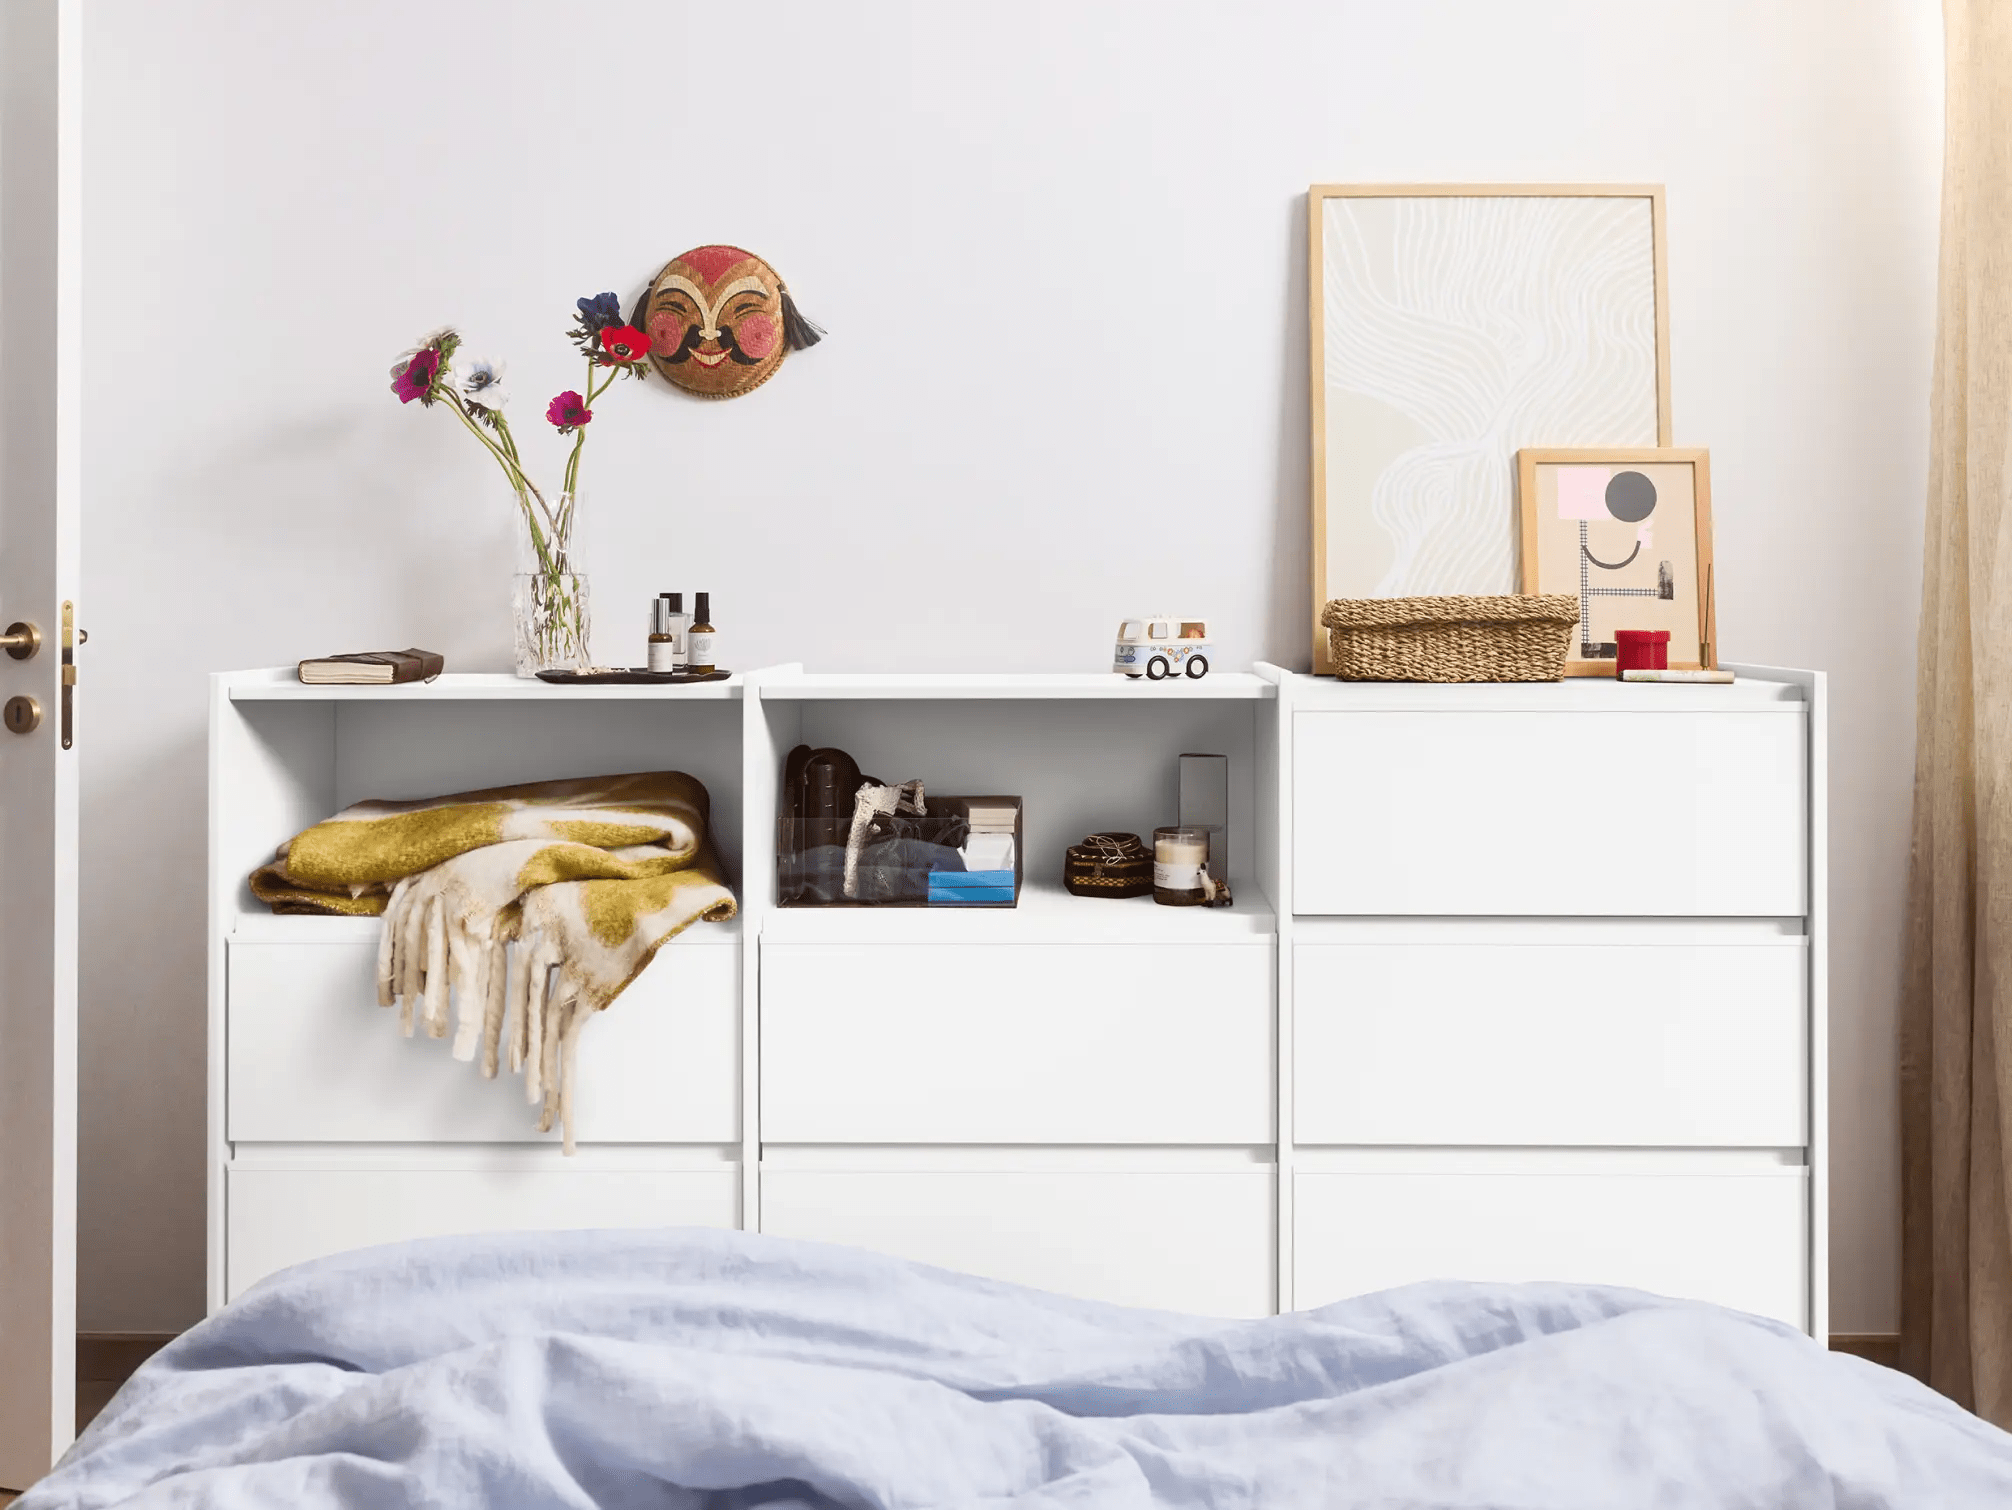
<point x="1956" y="1043"/>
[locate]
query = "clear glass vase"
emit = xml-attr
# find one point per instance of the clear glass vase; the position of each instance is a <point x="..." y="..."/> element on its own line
<point x="549" y="603"/>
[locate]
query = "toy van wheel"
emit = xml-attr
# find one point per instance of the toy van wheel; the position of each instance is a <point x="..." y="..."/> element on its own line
<point x="1132" y="675"/>
<point x="1198" y="666"/>
<point x="1156" y="669"/>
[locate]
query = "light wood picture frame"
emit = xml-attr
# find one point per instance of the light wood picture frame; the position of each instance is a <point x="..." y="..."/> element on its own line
<point x="1452" y="325"/>
<point x="1628" y="530"/>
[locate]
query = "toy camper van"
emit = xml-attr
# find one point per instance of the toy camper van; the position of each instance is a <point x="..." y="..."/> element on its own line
<point x="1159" y="648"/>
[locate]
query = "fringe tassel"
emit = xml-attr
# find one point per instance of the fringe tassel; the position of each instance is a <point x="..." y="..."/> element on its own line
<point x="550" y="1031"/>
<point x="538" y="1005"/>
<point x="495" y="981"/>
<point x="387" y="946"/>
<point x="798" y="331"/>
<point x="411" y="963"/>
<point x="436" y="969"/>
<point x="513" y="1005"/>
<point x="511" y="1000"/>
<point x="466" y="955"/>
<point x="569" y="1054"/>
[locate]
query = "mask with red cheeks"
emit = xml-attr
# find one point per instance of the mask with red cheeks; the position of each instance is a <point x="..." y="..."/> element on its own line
<point x="715" y="318"/>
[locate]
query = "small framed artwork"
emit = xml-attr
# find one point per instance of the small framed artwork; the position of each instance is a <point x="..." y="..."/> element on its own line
<point x="1452" y="324"/>
<point x="1628" y="530"/>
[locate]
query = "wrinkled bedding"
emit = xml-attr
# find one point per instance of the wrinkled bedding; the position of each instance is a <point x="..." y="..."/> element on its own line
<point x="701" y="1370"/>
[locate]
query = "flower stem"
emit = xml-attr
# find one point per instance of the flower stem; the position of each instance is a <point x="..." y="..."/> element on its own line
<point x="520" y="480"/>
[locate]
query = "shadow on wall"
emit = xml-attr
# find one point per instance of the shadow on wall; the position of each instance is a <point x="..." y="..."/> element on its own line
<point x="275" y="548"/>
<point x="142" y="1027"/>
<point x="1289" y="609"/>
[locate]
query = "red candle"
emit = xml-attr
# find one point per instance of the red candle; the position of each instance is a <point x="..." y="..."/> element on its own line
<point x="1641" y="650"/>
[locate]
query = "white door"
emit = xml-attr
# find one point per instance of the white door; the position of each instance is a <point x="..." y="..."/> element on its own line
<point x="39" y="359"/>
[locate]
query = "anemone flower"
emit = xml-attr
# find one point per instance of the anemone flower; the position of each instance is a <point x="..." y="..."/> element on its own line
<point x="621" y="344"/>
<point x="415" y="376"/>
<point x="480" y="382"/>
<point x="569" y="412"/>
<point x="600" y="311"/>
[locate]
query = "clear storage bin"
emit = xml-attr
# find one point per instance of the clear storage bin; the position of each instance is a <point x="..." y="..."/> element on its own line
<point x="960" y="852"/>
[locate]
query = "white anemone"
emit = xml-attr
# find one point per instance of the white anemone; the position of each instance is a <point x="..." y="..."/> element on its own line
<point x="480" y="381"/>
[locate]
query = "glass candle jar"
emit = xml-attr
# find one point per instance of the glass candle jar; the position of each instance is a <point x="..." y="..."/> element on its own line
<point x="1180" y="861"/>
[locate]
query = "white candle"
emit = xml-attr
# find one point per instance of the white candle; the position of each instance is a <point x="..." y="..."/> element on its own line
<point x="1180" y="856"/>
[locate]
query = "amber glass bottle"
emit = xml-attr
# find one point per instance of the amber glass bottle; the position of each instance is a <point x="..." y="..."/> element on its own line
<point x="699" y="638"/>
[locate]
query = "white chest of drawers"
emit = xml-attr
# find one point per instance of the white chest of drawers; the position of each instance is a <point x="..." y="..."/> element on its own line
<point x="1521" y="982"/>
<point x="1552" y="968"/>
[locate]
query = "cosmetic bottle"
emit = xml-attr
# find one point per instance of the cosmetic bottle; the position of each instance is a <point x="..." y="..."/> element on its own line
<point x="680" y="624"/>
<point x="699" y="639"/>
<point x="662" y="641"/>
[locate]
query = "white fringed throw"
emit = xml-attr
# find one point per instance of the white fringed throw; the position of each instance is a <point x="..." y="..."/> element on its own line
<point x="529" y="908"/>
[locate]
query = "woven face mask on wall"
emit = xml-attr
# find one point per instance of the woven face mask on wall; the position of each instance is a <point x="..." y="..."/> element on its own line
<point x="720" y="321"/>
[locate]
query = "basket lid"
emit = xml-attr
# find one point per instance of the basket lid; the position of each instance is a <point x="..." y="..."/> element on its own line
<point x="1506" y="608"/>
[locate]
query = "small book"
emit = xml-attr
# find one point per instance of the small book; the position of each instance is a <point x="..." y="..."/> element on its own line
<point x="372" y="667"/>
<point x="993" y="818"/>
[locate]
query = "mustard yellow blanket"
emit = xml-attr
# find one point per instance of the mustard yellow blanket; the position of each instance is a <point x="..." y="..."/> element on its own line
<point x="531" y="906"/>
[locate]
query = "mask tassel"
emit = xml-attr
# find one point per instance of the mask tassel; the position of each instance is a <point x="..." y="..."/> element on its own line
<point x="798" y="331"/>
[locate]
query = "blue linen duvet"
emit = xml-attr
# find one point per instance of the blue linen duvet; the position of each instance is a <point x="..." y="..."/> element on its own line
<point x="697" y="1370"/>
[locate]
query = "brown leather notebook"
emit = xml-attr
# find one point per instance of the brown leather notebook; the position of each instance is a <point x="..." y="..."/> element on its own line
<point x="372" y="667"/>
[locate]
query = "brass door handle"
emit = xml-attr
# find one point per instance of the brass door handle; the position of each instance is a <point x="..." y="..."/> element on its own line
<point x="21" y="640"/>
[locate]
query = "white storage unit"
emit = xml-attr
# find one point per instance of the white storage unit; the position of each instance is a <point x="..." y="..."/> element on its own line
<point x="328" y="1129"/>
<point x="1521" y="982"/>
<point x="1554" y="1002"/>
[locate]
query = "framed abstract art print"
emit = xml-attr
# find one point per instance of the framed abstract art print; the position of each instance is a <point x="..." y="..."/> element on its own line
<point x="1628" y="531"/>
<point x="1453" y="325"/>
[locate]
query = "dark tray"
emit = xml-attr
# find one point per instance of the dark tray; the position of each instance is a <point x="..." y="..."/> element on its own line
<point x="630" y="676"/>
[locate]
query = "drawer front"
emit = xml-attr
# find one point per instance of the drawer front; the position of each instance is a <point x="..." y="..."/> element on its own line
<point x="1200" y="1242"/>
<point x="277" y="1216"/>
<point x="1593" y="814"/>
<point x="1036" y="1043"/>
<point x="1648" y="1044"/>
<point x="1738" y="1240"/>
<point x="313" y="1058"/>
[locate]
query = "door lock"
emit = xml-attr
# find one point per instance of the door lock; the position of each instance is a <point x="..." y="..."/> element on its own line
<point x="23" y="714"/>
<point x="21" y="640"/>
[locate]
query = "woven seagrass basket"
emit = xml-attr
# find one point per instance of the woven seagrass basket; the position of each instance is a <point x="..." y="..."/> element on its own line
<point x="1470" y="639"/>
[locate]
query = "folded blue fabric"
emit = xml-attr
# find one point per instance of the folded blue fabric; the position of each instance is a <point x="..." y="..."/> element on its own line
<point x="725" y="1369"/>
<point x="979" y="880"/>
<point x="986" y="896"/>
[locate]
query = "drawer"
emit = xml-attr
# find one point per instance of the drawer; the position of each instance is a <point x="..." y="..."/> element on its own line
<point x="1738" y="1240"/>
<point x="1494" y="1043"/>
<point x="276" y="1215"/>
<point x="313" y="1058"/>
<point x="1180" y="1241"/>
<point x="1594" y="814"/>
<point x="1017" y="1043"/>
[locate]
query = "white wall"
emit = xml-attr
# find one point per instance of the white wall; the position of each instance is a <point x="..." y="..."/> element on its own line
<point x="1060" y="249"/>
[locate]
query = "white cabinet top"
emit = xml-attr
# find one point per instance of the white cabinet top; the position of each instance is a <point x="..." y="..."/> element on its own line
<point x="788" y="683"/>
<point x="1758" y="689"/>
<point x="283" y="684"/>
